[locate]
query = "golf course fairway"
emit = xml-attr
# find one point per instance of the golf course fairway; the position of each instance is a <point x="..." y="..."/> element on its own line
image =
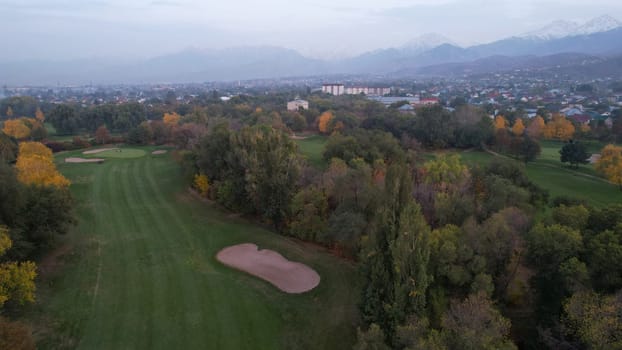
<point x="139" y="272"/>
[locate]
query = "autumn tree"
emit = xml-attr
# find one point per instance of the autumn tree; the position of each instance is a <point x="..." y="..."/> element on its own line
<point x="594" y="319"/>
<point x="27" y="149"/>
<point x="518" y="128"/>
<point x="324" y="121"/>
<point x="39" y="115"/>
<point x="102" y="135"/>
<point x="35" y="165"/>
<point x="500" y="122"/>
<point x="536" y="127"/>
<point x="475" y="324"/>
<point x="559" y="128"/>
<point x="171" y="118"/>
<point x="16" y="128"/>
<point x="9" y="112"/>
<point x="201" y="184"/>
<point x="610" y="164"/>
<point x="17" y="279"/>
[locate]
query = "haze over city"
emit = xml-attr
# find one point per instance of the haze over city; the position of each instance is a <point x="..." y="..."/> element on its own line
<point x="115" y="29"/>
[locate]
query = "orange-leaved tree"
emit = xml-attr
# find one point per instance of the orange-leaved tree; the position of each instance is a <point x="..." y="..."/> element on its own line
<point x="518" y="127"/>
<point x="171" y="118"/>
<point x="500" y="122"/>
<point x="559" y="128"/>
<point x="16" y="128"/>
<point x="536" y="127"/>
<point x="610" y="164"/>
<point x="35" y="166"/>
<point x="324" y="120"/>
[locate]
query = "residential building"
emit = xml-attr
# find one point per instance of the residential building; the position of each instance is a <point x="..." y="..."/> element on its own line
<point x="333" y="89"/>
<point x="297" y="104"/>
<point x="366" y="90"/>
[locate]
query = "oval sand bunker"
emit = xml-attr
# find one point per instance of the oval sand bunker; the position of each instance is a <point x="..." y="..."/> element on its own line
<point x="288" y="276"/>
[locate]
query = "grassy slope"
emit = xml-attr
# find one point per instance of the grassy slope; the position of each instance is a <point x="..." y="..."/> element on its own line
<point x="312" y="148"/>
<point x="548" y="172"/>
<point x="142" y="273"/>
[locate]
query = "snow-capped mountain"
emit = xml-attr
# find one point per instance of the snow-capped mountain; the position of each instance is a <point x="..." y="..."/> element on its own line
<point x="599" y="24"/>
<point x="562" y="29"/>
<point x="554" y="30"/>
<point x="426" y="42"/>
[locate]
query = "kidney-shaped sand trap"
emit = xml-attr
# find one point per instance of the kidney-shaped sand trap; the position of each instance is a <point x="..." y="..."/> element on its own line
<point x="288" y="276"/>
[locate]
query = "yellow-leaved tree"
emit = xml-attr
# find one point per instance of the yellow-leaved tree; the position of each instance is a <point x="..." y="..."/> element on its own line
<point x="28" y="149"/>
<point x="201" y="184"/>
<point x="16" y="128"/>
<point x="500" y="122"/>
<point x="610" y="164"/>
<point x="17" y="280"/>
<point x="518" y="127"/>
<point x="171" y="118"/>
<point x="324" y="122"/>
<point x="35" y="166"/>
<point x="559" y="128"/>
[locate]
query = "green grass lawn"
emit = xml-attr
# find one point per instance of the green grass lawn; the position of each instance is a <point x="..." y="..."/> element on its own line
<point x="119" y="153"/>
<point x="139" y="272"/>
<point x="560" y="180"/>
<point x="312" y="148"/>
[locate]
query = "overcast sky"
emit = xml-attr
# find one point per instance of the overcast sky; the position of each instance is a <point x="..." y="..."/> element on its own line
<point x="69" y="29"/>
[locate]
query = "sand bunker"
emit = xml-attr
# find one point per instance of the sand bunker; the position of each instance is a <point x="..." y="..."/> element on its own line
<point x="160" y="151"/>
<point x="99" y="150"/>
<point x="288" y="276"/>
<point x="83" y="160"/>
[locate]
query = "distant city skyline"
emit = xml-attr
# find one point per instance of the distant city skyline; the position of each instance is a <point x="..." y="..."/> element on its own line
<point x="120" y="30"/>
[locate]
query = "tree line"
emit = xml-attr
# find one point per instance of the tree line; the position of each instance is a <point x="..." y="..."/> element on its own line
<point x="35" y="207"/>
<point x="450" y="256"/>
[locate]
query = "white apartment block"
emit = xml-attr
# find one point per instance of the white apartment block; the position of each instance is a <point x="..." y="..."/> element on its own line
<point x="333" y="89"/>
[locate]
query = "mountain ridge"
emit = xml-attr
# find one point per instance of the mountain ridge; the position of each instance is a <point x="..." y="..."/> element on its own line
<point x="259" y="62"/>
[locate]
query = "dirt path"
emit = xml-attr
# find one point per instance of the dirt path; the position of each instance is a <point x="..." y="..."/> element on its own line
<point x="288" y="276"/>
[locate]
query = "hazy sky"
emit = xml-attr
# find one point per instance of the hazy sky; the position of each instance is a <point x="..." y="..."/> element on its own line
<point x="68" y="29"/>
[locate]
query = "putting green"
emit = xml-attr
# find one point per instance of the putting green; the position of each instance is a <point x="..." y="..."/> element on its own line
<point x="122" y="153"/>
